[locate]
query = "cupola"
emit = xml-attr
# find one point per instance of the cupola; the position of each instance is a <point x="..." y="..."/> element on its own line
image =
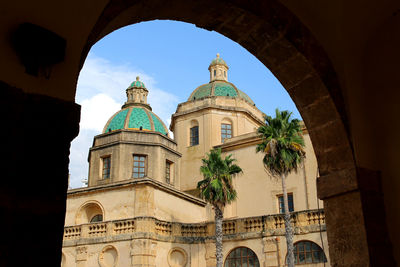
<point x="218" y="69"/>
<point x="136" y="94"/>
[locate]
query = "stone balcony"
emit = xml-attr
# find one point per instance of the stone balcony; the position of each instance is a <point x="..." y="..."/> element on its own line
<point x="307" y="221"/>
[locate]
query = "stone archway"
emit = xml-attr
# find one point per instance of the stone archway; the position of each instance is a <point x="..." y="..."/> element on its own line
<point x="39" y="125"/>
<point x="278" y="39"/>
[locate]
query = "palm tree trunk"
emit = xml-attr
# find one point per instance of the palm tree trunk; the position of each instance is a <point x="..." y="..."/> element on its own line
<point x="288" y="225"/>
<point x="218" y="235"/>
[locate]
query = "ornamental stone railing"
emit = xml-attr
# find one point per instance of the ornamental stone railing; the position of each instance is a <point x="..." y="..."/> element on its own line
<point x="268" y="225"/>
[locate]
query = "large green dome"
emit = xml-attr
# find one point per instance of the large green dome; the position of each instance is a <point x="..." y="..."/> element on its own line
<point x="218" y="88"/>
<point x="135" y="118"/>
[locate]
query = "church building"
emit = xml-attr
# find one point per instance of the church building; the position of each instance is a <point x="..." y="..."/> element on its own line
<point x="141" y="206"/>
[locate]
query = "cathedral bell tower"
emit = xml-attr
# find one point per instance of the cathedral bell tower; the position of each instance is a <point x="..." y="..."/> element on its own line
<point x="218" y="70"/>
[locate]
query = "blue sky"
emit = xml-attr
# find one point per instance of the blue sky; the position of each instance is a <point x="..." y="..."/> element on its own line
<point x="172" y="60"/>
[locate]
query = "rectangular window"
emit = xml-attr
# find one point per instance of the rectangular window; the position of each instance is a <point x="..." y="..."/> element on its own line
<point x="168" y="172"/>
<point x="106" y="167"/>
<point x="139" y="166"/>
<point x="226" y="131"/>
<point x="282" y="206"/>
<point x="194" y="136"/>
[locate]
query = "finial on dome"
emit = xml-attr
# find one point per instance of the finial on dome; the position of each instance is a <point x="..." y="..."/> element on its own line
<point x="217" y="54"/>
<point x="137" y="78"/>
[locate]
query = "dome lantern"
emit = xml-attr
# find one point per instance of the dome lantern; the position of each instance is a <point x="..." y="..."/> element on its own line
<point x="218" y="69"/>
<point x="136" y="94"/>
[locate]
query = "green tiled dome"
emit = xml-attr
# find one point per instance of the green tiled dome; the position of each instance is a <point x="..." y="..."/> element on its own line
<point x="218" y="88"/>
<point x="135" y="117"/>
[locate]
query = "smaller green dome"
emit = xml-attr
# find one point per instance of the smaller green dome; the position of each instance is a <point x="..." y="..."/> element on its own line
<point x="218" y="61"/>
<point x="137" y="84"/>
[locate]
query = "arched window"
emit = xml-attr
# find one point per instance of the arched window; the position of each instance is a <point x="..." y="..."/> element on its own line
<point x="97" y="218"/>
<point x="242" y="256"/>
<point x="306" y="252"/>
<point x="91" y="211"/>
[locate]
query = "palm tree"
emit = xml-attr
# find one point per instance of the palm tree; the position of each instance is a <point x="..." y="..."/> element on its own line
<point x="283" y="144"/>
<point x="217" y="189"/>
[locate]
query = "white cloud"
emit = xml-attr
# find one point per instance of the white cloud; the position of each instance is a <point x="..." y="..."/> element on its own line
<point x="101" y="92"/>
<point x="79" y="151"/>
<point x="96" y="111"/>
<point x="99" y="75"/>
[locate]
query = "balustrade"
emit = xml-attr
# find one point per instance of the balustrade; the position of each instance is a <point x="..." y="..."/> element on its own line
<point x="97" y="230"/>
<point x="253" y="224"/>
<point x="229" y="227"/>
<point x="261" y="224"/>
<point x="316" y="217"/>
<point x="163" y="228"/>
<point x="124" y="227"/>
<point x="73" y="232"/>
<point x="193" y="230"/>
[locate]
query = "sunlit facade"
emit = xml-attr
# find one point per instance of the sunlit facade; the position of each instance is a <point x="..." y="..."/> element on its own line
<point x="141" y="206"/>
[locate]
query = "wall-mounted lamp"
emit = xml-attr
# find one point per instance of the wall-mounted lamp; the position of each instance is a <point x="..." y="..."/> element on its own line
<point x="38" y="48"/>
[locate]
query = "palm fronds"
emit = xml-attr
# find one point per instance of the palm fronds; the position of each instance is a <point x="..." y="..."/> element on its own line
<point x="216" y="187"/>
<point x="282" y="143"/>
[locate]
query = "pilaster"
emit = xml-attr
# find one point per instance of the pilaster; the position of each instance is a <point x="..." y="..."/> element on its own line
<point x="143" y="253"/>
